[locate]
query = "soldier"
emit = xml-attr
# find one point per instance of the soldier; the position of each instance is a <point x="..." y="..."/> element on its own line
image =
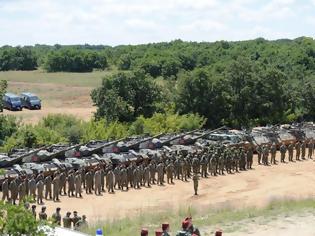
<point x="204" y="164"/>
<point x="40" y="189"/>
<point x="103" y="179"/>
<point x="88" y="182"/>
<point x="130" y="175"/>
<point x="42" y="215"/>
<point x="82" y="172"/>
<point x="26" y="186"/>
<point x="273" y="152"/>
<point x="117" y="177"/>
<point x="147" y="176"/>
<point x="5" y="190"/>
<point x="21" y="190"/>
<point x="266" y="155"/>
<point x="82" y="223"/>
<point x="283" y="150"/>
<point x="67" y="220"/>
<point x="34" y="211"/>
<point x="169" y="173"/>
<point x="152" y="167"/>
<point x="32" y="187"/>
<point x="39" y="177"/>
<point x="98" y="184"/>
<point x="259" y="153"/>
<point x="310" y="149"/>
<point x="290" y="150"/>
<point x="110" y="181"/>
<point x="75" y="218"/>
<point x="71" y="186"/>
<point x="249" y="156"/>
<point x="136" y="178"/>
<point x="165" y="229"/>
<point x="303" y="149"/>
<point x="160" y="171"/>
<point x="57" y="217"/>
<point x="63" y="183"/>
<point x="196" y="180"/>
<point x="13" y="190"/>
<point x="56" y="188"/>
<point x="48" y="181"/>
<point x="78" y="185"/>
<point x="297" y="150"/>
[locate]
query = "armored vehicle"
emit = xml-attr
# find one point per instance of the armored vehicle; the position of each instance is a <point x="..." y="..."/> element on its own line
<point x="30" y="101"/>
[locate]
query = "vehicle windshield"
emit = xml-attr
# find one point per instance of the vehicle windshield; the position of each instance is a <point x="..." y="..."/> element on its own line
<point x="15" y="99"/>
<point x="34" y="98"/>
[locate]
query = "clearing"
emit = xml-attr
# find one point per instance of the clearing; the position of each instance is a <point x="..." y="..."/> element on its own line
<point x="67" y="93"/>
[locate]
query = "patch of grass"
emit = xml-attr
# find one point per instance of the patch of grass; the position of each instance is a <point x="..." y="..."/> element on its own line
<point x="228" y="217"/>
<point x="92" y="79"/>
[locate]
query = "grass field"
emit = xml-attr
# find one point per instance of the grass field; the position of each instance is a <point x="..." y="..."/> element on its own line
<point x="208" y="220"/>
<point x="60" y="92"/>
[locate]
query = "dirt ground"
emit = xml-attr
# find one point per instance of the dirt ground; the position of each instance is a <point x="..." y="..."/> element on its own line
<point x="250" y="188"/>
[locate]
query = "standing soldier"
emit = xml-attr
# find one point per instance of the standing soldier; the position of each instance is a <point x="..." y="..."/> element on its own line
<point x="5" y="190"/>
<point x="266" y="155"/>
<point x="204" y="165"/>
<point x="136" y="178"/>
<point x="110" y="181"/>
<point x="78" y="185"/>
<point x="160" y="170"/>
<point x="303" y="149"/>
<point x="42" y="215"/>
<point x="169" y="173"/>
<point x="98" y="184"/>
<point x="310" y="149"/>
<point x="273" y="151"/>
<point x="40" y="189"/>
<point x="249" y="156"/>
<point x="26" y="186"/>
<point x="196" y="180"/>
<point x="32" y="187"/>
<point x="103" y="179"/>
<point x="259" y="153"/>
<point x="56" y="188"/>
<point x="290" y="150"/>
<point x="57" y="217"/>
<point x="67" y="220"/>
<point x="88" y="182"/>
<point x="147" y="176"/>
<point x="34" y="211"/>
<point x="283" y="150"/>
<point x="152" y="172"/>
<point x="13" y="190"/>
<point x="21" y="190"/>
<point x="130" y="175"/>
<point x="71" y="187"/>
<point x="297" y="150"/>
<point x="117" y="177"/>
<point x="63" y="183"/>
<point x="82" y="172"/>
<point x="48" y="181"/>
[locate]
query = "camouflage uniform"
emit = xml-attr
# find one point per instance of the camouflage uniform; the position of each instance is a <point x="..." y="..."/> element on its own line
<point x="40" y="189"/>
<point x="71" y="186"/>
<point x="147" y="176"/>
<point x="160" y="170"/>
<point x="22" y="191"/>
<point x="110" y="181"/>
<point x="63" y="183"/>
<point x="89" y="182"/>
<point x="303" y="149"/>
<point x="273" y="152"/>
<point x="169" y="173"/>
<point x="42" y="215"/>
<point x="259" y="154"/>
<point x="78" y="185"/>
<point x="196" y="179"/>
<point x="97" y="181"/>
<point x="5" y="190"/>
<point x="283" y="150"/>
<point x="57" y="217"/>
<point x="56" y="188"/>
<point x="310" y="149"/>
<point x="297" y="150"/>
<point x="290" y="150"/>
<point x="48" y="181"/>
<point x="67" y="221"/>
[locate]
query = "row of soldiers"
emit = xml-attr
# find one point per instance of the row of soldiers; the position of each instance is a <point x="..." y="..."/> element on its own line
<point x="211" y="160"/>
<point x="76" y="222"/>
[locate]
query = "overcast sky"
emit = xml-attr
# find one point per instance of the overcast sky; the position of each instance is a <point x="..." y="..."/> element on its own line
<point x="115" y="22"/>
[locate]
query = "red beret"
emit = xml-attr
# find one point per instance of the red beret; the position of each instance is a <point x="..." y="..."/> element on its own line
<point x="144" y="232"/>
<point x="165" y="226"/>
<point x="185" y="224"/>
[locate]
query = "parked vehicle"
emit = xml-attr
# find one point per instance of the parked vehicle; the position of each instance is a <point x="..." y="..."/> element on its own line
<point x="30" y="101"/>
<point x="12" y="102"/>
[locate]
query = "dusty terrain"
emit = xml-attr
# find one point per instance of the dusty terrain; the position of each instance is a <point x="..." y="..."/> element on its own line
<point x="250" y="188"/>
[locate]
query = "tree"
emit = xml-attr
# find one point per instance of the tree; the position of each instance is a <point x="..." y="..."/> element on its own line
<point x="125" y="96"/>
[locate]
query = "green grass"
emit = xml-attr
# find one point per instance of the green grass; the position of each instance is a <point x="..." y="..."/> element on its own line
<point x="92" y="79"/>
<point x="228" y="218"/>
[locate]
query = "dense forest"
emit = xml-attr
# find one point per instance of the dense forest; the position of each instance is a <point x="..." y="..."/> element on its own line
<point x="238" y="84"/>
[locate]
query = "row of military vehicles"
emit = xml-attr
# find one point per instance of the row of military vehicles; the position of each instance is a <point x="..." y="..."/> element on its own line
<point x="15" y="102"/>
<point x="48" y="159"/>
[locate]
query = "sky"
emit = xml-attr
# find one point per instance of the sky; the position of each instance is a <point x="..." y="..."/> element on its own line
<point x="116" y="22"/>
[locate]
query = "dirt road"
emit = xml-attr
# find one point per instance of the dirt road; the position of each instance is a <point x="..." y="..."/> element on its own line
<point x="250" y="188"/>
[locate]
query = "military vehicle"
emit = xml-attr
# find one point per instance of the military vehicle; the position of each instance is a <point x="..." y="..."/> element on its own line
<point x="12" y="102"/>
<point x="47" y="154"/>
<point x="15" y="156"/>
<point x="76" y="163"/>
<point x="30" y="101"/>
<point x="309" y="131"/>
